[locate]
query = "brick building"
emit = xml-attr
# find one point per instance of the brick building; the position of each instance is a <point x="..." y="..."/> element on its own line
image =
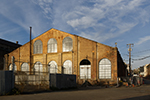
<point x="60" y="52"/>
<point x="6" y="47"/>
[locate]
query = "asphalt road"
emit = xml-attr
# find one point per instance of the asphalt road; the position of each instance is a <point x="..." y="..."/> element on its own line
<point x="89" y="93"/>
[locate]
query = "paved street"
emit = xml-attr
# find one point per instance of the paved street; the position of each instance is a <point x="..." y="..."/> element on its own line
<point x="89" y="93"/>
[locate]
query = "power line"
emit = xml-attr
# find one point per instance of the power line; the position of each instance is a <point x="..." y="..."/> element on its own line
<point x="141" y="58"/>
<point x="141" y="51"/>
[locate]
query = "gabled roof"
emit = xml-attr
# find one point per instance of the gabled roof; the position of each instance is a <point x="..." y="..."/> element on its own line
<point x="8" y="43"/>
<point x="67" y="33"/>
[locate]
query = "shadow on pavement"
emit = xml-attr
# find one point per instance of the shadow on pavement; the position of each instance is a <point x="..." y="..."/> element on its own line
<point x="146" y="97"/>
<point x="69" y="89"/>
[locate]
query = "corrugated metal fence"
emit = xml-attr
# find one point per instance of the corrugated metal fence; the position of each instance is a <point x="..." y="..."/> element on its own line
<point x="7" y="81"/>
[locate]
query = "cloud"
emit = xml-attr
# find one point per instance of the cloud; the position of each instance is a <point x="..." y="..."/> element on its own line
<point x="27" y="13"/>
<point x="114" y="17"/>
<point x="96" y="19"/>
<point x="84" y="21"/>
<point x="142" y="40"/>
<point x="46" y="6"/>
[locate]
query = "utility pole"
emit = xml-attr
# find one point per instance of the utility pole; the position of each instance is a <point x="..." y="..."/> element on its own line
<point x="129" y="45"/>
<point x="30" y="52"/>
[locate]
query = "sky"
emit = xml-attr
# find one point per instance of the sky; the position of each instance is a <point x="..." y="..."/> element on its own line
<point x="104" y="21"/>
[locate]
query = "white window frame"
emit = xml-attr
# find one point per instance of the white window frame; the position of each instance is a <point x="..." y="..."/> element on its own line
<point x="105" y="69"/>
<point x="38" y="68"/>
<point x="67" y="67"/>
<point x="52" y="67"/>
<point x="10" y="67"/>
<point x="85" y="71"/>
<point x="38" y="47"/>
<point x="25" y="67"/>
<point x="67" y="44"/>
<point x="52" y="46"/>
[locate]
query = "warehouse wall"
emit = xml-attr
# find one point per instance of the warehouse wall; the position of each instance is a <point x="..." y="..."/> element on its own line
<point x="83" y="49"/>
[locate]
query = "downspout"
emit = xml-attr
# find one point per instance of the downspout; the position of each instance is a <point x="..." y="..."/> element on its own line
<point x="96" y="62"/>
<point x="77" y="57"/>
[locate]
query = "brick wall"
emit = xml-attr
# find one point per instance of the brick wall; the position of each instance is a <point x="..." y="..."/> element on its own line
<point x="82" y="49"/>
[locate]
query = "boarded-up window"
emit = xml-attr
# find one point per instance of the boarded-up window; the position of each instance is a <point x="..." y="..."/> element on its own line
<point x="10" y="67"/>
<point x="25" y="67"/>
<point x="67" y="67"/>
<point x="85" y="69"/>
<point x="67" y="44"/>
<point x="38" y="47"/>
<point x="52" y="67"/>
<point x="52" y="45"/>
<point x="38" y="68"/>
<point x="105" y="69"/>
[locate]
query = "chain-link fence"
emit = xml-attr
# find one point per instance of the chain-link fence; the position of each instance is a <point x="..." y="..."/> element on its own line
<point x="35" y="78"/>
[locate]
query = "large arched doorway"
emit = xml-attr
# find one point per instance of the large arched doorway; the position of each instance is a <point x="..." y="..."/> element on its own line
<point x="85" y="69"/>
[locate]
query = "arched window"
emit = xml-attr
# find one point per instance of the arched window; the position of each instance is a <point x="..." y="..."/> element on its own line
<point x="38" y="68"/>
<point x="52" y="45"/>
<point x="67" y="67"/>
<point x="85" y="69"/>
<point x="52" y="67"/>
<point x="10" y="67"/>
<point x="38" y="47"/>
<point x="105" y="69"/>
<point x="67" y="44"/>
<point x="25" y="67"/>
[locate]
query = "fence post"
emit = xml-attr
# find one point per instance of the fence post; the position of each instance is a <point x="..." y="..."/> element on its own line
<point x="13" y="77"/>
<point x="4" y="64"/>
<point x="12" y="61"/>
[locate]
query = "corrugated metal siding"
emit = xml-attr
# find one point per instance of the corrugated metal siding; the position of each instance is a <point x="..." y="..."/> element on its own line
<point x="6" y="81"/>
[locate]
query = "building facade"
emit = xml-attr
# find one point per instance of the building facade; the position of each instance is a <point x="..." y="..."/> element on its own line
<point x="59" y="52"/>
<point x="144" y="70"/>
<point x="6" y="47"/>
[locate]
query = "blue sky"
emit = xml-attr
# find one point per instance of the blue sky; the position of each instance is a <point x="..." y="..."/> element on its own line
<point x="104" y="21"/>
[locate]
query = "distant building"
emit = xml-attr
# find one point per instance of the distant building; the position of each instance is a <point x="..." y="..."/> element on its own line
<point x="145" y="70"/>
<point x="6" y="47"/>
<point x="59" y="52"/>
<point x="148" y="67"/>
